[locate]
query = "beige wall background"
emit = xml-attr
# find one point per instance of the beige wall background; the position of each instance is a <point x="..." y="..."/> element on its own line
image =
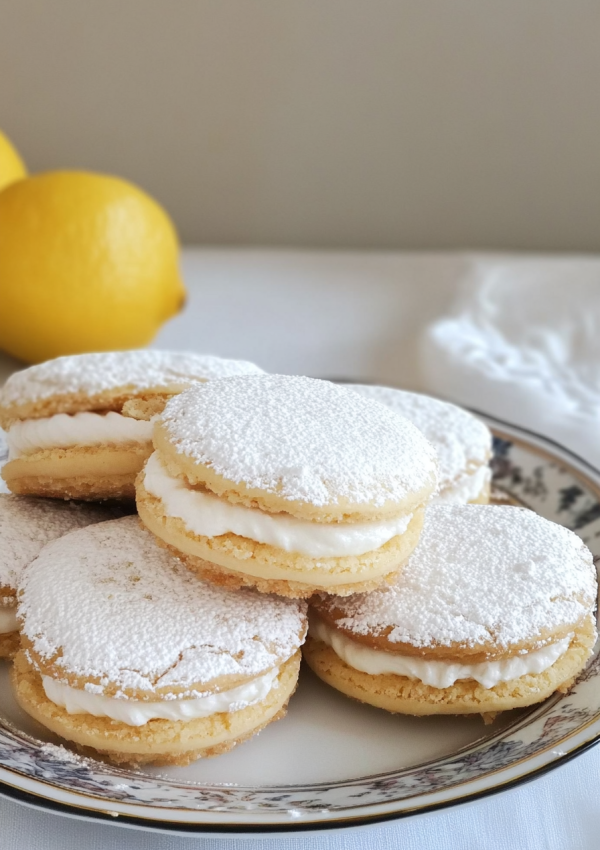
<point x="336" y="123"/>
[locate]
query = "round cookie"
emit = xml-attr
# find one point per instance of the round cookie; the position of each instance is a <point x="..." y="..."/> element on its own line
<point x="493" y="611"/>
<point x="127" y="653"/>
<point x="463" y="443"/>
<point x="26" y="525"/>
<point x="79" y="427"/>
<point x="288" y="484"/>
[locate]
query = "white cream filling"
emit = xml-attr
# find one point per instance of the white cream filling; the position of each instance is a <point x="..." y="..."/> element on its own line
<point x="207" y="515"/>
<point x="8" y="620"/>
<point x="82" y="429"/>
<point x="467" y="487"/>
<point x="138" y="712"/>
<point x="436" y="674"/>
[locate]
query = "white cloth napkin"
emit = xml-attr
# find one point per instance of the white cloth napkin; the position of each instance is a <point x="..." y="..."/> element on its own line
<point x="523" y="343"/>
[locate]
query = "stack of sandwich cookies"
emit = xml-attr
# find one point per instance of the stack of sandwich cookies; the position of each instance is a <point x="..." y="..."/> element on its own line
<point x="127" y="653"/>
<point x="493" y="611"/>
<point x="463" y="443"/>
<point x="26" y="526"/>
<point x="79" y="427"/>
<point x="288" y="484"/>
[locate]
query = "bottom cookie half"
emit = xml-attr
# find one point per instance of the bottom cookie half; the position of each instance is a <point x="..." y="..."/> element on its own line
<point x="402" y="695"/>
<point x="158" y="742"/>
<point x="232" y="561"/>
<point x="90" y="473"/>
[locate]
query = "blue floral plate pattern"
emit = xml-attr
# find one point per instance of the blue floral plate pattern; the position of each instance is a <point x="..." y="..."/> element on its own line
<point x="528" y="470"/>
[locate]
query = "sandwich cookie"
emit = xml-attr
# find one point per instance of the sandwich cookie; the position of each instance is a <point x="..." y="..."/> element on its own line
<point x="80" y="427"/>
<point x="124" y="651"/>
<point x="493" y="611"/>
<point x="26" y="525"/>
<point x="288" y="484"/>
<point x="463" y="443"/>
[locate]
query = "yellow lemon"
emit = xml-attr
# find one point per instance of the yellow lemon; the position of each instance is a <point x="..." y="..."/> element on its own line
<point x="88" y="262"/>
<point x="12" y="166"/>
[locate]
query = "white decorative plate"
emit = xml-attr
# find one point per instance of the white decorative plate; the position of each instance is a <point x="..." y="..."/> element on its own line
<point x="331" y="762"/>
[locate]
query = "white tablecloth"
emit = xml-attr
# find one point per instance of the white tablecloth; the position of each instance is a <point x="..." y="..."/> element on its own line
<point x="355" y="316"/>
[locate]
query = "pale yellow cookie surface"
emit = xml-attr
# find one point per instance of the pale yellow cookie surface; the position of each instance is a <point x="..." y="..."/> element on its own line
<point x="159" y="742"/>
<point x="462" y="441"/>
<point x="233" y="561"/>
<point x="288" y="484"/>
<point x="494" y="610"/>
<point x="402" y="695"/>
<point x="79" y="426"/>
<point x="90" y="473"/>
<point x="310" y="448"/>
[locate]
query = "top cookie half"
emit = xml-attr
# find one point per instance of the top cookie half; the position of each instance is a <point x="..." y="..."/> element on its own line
<point x="107" y="380"/>
<point x="308" y="447"/>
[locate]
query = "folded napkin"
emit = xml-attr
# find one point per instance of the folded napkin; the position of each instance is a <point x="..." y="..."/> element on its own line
<point x="523" y="344"/>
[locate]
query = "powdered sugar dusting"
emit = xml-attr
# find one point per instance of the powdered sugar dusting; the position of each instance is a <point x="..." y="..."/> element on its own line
<point x="304" y="439"/>
<point x="457" y="435"/>
<point x="56" y="752"/>
<point x="481" y="574"/>
<point x="27" y="524"/>
<point x="136" y="371"/>
<point x="126" y="611"/>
